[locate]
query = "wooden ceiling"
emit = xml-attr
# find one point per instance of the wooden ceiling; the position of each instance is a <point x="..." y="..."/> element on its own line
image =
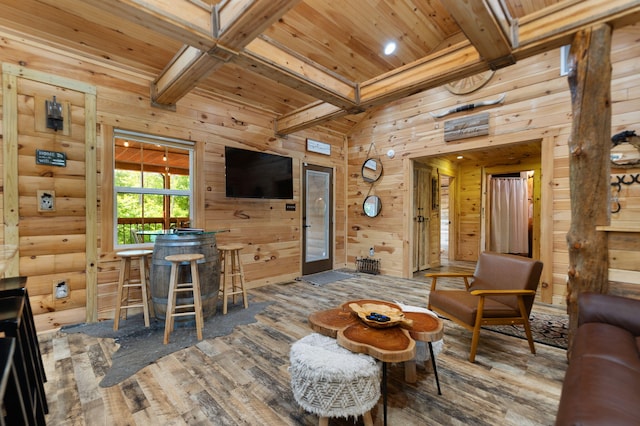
<point x="510" y="156"/>
<point x="306" y="62"/>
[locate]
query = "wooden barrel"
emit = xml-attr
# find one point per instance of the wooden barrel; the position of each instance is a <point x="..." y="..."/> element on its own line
<point x="208" y="269"/>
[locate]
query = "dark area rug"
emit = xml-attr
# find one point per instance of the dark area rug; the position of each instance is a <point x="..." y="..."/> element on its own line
<point x="327" y="277"/>
<point x="546" y="329"/>
<point x="141" y="346"/>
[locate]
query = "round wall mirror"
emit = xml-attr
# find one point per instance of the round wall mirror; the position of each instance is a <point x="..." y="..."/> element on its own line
<point x="371" y="170"/>
<point x="372" y="206"/>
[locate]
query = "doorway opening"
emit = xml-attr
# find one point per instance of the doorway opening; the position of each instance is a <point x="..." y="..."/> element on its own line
<point x="459" y="215"/>
<point x="510" y="213"/>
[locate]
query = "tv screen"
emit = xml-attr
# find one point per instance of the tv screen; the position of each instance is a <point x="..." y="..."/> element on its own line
<point x="253" y="174"/>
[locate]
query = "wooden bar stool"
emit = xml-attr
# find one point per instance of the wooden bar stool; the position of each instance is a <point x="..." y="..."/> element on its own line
<point x="231" y="267"/>
<point x="126" y="283"/>
<point x="175" y="287"/>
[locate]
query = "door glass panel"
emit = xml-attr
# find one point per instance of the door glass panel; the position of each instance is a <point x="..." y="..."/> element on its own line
<point x="317" y="214"/>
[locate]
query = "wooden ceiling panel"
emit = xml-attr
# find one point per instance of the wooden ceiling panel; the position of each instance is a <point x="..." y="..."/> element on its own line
<point x="314" y="62"/>
<point x="520" y="8"/>
<point x="237" y="83"/>
<point x="349" y="40"/>
<point x="86" y="30"/>
<point x="515" y="154"/>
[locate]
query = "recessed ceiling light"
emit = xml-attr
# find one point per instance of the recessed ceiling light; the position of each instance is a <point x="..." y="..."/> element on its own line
<point x="459" y="157"/>
<point x="389" y="48"/>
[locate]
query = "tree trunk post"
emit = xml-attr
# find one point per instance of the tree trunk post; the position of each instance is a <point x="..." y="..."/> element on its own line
<point x="589" y="166"/>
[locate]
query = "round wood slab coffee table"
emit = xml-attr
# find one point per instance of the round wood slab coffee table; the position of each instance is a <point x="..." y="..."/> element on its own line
<point x="392" y="344"/>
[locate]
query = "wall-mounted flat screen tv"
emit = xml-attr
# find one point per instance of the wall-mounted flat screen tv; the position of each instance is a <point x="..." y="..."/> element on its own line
<point x="253" y="174"/>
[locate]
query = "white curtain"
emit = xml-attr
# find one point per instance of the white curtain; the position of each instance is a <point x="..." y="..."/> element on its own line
<point x="509" y="215"/>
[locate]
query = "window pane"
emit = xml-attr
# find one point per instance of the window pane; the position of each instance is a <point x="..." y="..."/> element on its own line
<point x="153" y="206"/>
<point x="128" y="205"/>
<point x="128" y="178"/>
<point x="153" y="180"/>
<point x="180" y="182"/>
<point x="180" y="207"/>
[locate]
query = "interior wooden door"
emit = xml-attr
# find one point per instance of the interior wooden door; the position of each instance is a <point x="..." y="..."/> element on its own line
<point x="421" y="217"/>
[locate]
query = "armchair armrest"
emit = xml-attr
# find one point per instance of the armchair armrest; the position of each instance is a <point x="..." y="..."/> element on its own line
<point x="434" y="277"/>
<point x="609" y="309"/>
<point x="503" y="292"/>
<point x="449" y="274"/>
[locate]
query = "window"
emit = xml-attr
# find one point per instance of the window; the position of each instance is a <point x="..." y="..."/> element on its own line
<point x="152" y="185"/>
<point x="564" y="60"/>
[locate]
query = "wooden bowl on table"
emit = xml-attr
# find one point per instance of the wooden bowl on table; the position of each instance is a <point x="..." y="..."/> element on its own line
<point x="379" y="315"/>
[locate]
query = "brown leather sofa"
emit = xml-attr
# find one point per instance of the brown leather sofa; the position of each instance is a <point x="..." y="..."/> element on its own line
<point x="602" y="382"/>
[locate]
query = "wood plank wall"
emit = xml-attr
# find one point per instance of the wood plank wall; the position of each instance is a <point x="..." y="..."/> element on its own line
<point x="624" y="263"/>
<point x="272" y="235"/>
<point x="624" y="235"/>
<point x="536" y="108"/>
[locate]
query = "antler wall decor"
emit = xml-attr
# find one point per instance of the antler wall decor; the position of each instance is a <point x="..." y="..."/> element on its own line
<point x="468" y="107"/>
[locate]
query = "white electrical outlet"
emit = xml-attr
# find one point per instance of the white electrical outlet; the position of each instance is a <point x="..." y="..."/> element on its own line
<point x="46" y="201"/>
<point x="60" y="289"/>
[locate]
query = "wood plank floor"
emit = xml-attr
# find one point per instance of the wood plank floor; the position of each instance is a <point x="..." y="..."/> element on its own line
<point x="243" y="379"/>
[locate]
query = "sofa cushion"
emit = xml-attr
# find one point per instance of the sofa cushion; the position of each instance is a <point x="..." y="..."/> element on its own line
<point x="464" y="306"/>
<point x="599" y="391"/>
<point x="615" y="310"/>
<point x="606" y="341"/>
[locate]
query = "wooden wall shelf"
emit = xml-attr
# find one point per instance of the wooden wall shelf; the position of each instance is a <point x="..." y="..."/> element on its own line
<point x="619" y="228"/>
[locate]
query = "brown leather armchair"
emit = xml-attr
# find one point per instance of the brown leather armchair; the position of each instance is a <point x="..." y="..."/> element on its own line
<point x="502" y="291"/>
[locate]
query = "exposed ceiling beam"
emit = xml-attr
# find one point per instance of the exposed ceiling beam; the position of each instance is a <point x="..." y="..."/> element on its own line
<point x="503" y="17"/>
<point x="237" y="23"/>
<point x="456" y="62"/>
<point x="241" y="21"/>
<point x="307" y="116"/>
<point x="536" y="35"/>
<point x="555" y="27"/>
<point x="181" y="75"/>
<point x="484" y="30"/>
<point x="280" y="64"/>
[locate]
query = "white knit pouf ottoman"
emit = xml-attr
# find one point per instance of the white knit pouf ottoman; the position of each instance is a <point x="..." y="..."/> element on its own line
<point x="331" y="381"/>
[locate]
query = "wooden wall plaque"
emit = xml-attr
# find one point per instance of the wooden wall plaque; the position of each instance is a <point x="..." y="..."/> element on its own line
<point x="466" y="127"/>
